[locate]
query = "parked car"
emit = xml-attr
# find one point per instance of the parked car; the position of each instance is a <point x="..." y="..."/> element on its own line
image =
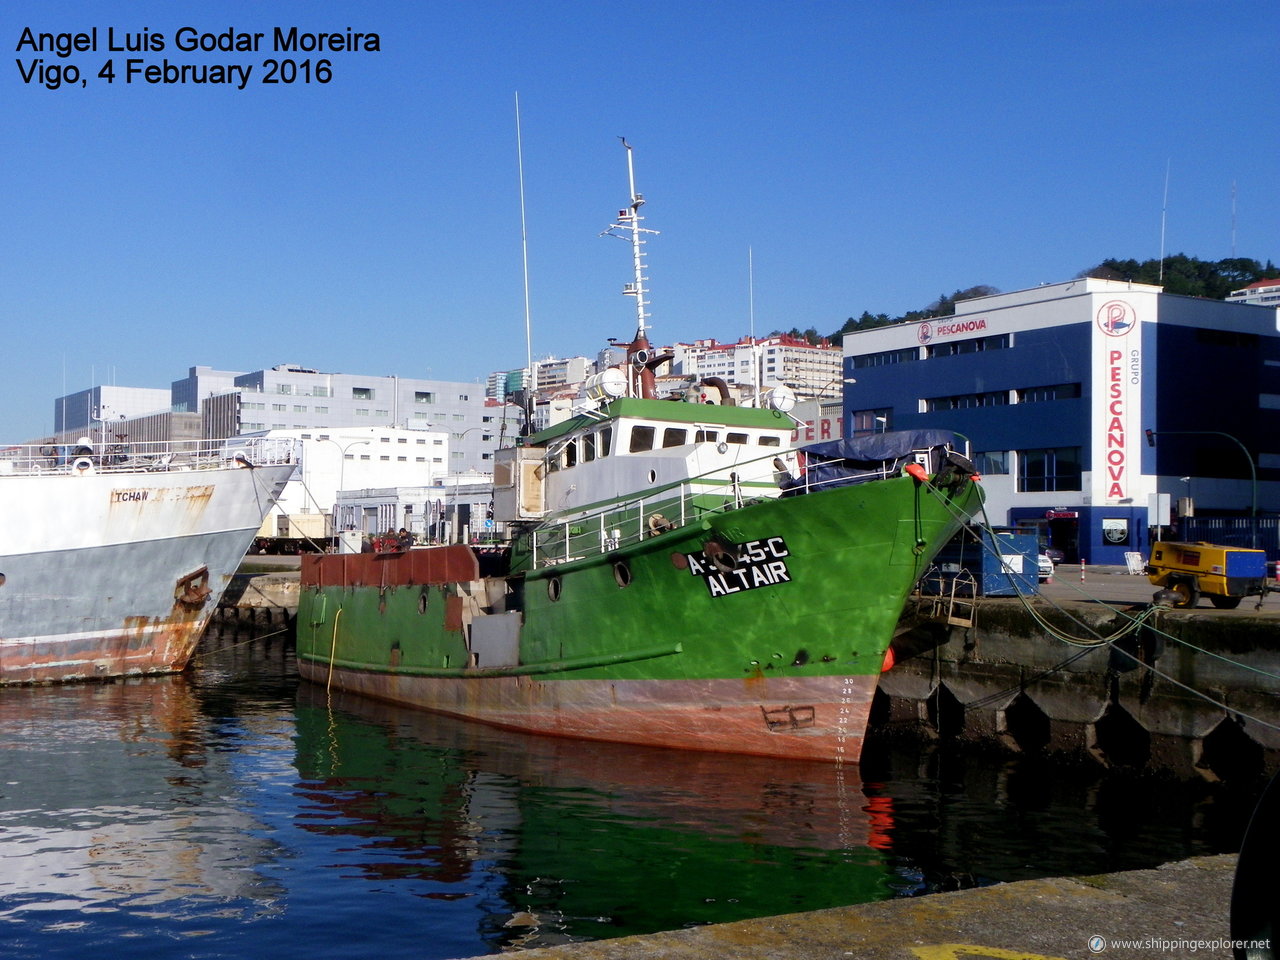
<point x="1053" y="553"/>
<point x="1046" y="567"/>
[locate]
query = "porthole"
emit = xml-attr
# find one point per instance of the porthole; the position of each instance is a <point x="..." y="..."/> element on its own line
<point x="553" y="589"/>
<point x="622" y="573"/>
<point x="422" y="602"/>
<point x="1" y="579"/>
<point x="653" y="476"/>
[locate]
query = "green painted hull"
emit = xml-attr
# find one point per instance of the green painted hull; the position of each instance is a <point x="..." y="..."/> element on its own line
<point x="777" y="655"/>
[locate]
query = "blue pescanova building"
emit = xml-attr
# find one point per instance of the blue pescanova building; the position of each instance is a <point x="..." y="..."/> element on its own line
<point x="1103" y="413"/>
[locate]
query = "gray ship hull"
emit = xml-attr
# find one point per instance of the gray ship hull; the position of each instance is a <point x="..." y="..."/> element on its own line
<point x="116" y="572"/>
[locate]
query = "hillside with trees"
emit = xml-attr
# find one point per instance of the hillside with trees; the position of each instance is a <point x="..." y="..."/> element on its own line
<point x="1188" y="276"/>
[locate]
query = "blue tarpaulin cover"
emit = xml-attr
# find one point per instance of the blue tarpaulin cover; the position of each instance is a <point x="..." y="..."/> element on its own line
<point x="834" y="463"/>
<point x="878" y="447"/>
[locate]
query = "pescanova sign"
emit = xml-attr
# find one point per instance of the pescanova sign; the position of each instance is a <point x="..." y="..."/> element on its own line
<point x="928" y="330"/>
<point x="1121" y="376"/>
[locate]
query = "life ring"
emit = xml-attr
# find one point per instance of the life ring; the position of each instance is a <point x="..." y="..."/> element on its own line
<point x="658" y="524"/>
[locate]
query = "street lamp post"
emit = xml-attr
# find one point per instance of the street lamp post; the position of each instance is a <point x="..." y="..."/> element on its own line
<point x="342" y="467"/>
<point x="1253" y="470"/>
<point x="455" y="531"/>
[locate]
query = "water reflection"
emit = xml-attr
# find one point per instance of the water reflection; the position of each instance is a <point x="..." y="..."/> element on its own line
<point x="232" y="812"/>
<point x="584" y="840"/>
<point x="111" y="798"/>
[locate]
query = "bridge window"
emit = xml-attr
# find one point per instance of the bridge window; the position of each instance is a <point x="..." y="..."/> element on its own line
<point x="641" y="439"/>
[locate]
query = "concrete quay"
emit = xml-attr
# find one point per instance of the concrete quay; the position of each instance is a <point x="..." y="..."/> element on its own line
<point x="1178" y="910"/>
<point x="1192" y="692"/>
<point x="263" y="592"/>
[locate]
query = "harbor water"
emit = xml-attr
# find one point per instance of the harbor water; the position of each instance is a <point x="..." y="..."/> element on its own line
<point x="234" y="811"/>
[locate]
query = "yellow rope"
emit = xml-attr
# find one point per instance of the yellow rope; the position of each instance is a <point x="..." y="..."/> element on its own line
<point x="333" y="649"/>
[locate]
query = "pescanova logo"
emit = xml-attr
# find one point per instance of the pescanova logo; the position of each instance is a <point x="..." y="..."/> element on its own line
<point x="950" y="328"/>
<point x="1116" y="318"/>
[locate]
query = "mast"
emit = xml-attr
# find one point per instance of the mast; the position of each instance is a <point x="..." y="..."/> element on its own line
<point x="627" y="227"/>
<point x="531" y="371"/>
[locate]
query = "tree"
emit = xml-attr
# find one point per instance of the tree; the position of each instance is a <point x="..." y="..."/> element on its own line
<point x="1185" y="275"/>
<point x="1179" y="274"/>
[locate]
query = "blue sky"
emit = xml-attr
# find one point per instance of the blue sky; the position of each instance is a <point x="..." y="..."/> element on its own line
<point x="871" y="156"/>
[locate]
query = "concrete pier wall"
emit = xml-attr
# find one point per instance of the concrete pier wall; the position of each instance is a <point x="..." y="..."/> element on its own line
<point x="260" y="599"/>
<point x="1040" y="676"/>
<point x="1178" y="910"/>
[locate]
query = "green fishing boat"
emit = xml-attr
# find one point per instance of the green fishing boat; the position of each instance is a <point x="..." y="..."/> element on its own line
<point x="681" y="575"/>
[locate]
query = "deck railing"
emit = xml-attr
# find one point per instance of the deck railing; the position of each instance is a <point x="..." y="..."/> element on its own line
<point x="51" y="459"/>
<point x="667" y="507"/>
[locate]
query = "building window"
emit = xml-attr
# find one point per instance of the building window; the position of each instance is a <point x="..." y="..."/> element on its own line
<point x="322" y="409"/>
<point x="284" y="388"/>
<point x="967" y="401"/>
<point x="424" y="396"/>
<point x="1059" y="391"/>
<point x="992" y="462"/>
<point x="955" y="348"/>
<point x="279" y="407"/>
<point x="871" y="421"/>
<point x="1049" y="470"/>
<point x="886" y="358"/>
<point x="362" y="411"/>
<point x="299" y="408"/>
<point x="361" y="393"/>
